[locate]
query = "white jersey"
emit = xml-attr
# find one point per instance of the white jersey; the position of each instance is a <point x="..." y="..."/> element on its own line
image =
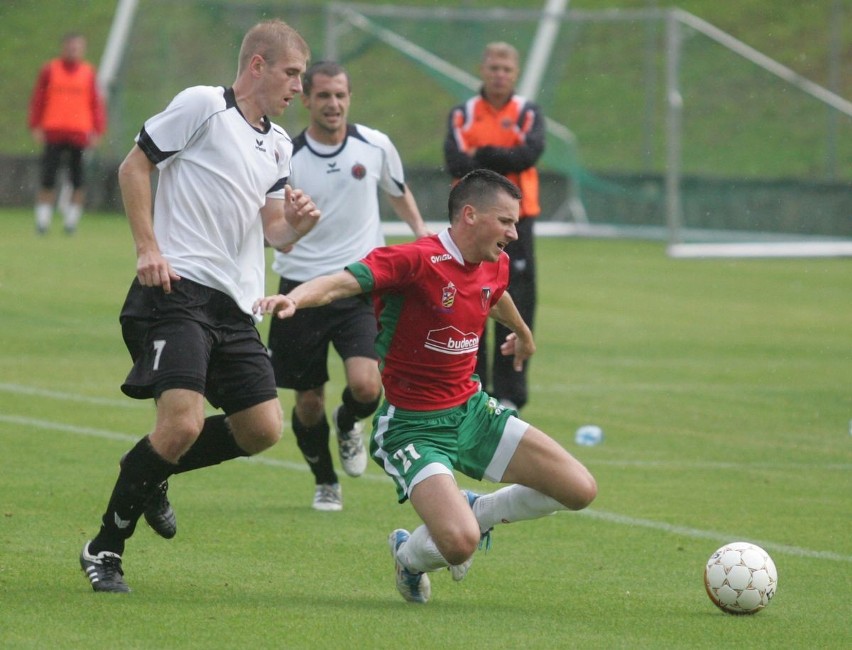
<point x="216" y="172"/>
<point x="343" y="181"/>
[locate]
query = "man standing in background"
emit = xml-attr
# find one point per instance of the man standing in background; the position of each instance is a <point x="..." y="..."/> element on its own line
<point x="502" y="131"/>
<point x="67" y="115"/>
<point x="342" y="166"/>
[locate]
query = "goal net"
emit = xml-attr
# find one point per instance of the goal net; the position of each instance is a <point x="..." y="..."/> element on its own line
<point x="751" y="163"/>
<point x="748" y="161"/>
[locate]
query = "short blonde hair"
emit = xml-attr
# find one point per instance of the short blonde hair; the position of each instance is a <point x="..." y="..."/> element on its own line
<point x="501" y="50"/>
<point x="270" y="39"/>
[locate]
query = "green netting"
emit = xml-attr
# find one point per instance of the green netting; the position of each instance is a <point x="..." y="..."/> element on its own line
<point x="747" y="135"/>
<point x="758" y="155"/>
<point x="742" y="121"/>
<point x="174" y="45"/>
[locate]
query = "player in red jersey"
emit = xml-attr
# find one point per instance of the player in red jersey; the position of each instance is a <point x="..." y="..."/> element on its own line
<point x="432" y="298"/>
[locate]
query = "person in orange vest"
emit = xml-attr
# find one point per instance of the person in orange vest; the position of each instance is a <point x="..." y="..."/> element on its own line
<point x="67" y="115"/>
<point x="504" y="132"/>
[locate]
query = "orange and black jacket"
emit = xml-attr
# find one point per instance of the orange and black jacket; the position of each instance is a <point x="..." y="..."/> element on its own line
<point x="508" y="140"/>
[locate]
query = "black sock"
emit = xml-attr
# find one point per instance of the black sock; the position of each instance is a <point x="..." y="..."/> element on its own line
<point x="142" y="470"/>
<point x="215" y="444"/>
<point x="352" y="410"/>
<point x="313" y="443"/>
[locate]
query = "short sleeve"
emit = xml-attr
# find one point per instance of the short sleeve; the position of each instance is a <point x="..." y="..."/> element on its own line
<point x="170" y="131"/>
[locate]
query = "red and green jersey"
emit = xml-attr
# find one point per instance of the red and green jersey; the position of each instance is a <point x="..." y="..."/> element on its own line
<point x="431" y="308"/>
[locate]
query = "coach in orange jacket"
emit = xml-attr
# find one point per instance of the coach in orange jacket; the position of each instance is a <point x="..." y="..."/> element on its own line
<point x="67" y="115"/>
<point x="502" y="131"/>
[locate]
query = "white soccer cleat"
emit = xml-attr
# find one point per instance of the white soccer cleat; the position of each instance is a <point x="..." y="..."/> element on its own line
<point x="414" y="587"/>
<point x="484" y="538"/>
<point x="459" y="571"/>
<point x="353" y="455"/>
<point x="328" y="497"/>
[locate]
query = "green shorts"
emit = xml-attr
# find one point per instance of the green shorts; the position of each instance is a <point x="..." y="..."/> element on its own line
<point x="477" y="439"/>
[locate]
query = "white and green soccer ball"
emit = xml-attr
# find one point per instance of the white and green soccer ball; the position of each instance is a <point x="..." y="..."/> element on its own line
<point x="740" y="578"/>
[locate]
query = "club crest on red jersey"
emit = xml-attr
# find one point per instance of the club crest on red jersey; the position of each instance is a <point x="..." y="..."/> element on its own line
<point x="448" y="295"/>
<point x="485" y="296"/>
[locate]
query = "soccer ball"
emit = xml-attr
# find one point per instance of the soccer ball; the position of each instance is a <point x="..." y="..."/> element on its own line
<point x="740" y="578"/>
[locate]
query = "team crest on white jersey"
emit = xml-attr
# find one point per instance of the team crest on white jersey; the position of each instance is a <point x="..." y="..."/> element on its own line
<point x="358" y="171"/>
<point x="451" y="340"/>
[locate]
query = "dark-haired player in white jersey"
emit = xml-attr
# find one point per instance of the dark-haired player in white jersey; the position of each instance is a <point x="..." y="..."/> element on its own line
<point x="187" y="320"/>
<point x="342" y="167"/>
<point x="432" y="298"/>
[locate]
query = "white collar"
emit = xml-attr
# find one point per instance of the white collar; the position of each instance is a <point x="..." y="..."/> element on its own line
<point x="450" y="245"/>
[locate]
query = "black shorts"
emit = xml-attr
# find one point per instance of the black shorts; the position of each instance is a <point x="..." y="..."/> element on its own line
<point x="195" y="338"/>
<point x="51" y="160"/>
<point x="298" y="346"/>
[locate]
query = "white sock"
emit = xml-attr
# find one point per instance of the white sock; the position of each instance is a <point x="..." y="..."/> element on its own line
<point x="43" y="215"/>
<point x="72" y="216"/>
<point x="513" y="503"/>
<point x="419" y="553"/>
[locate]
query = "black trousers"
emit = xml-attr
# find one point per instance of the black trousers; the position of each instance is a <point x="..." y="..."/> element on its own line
<point x="499" y="378"/>
<point x="51" y="160"/>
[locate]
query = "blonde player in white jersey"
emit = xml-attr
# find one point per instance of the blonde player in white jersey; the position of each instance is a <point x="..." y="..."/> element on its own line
<point x="187" y="320"/>
<point x="342" y="167"/>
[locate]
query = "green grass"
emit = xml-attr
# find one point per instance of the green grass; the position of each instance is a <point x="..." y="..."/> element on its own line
<point x="722" y="388"/>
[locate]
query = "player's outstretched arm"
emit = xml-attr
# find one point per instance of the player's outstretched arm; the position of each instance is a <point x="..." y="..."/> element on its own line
<point x="519" y="343"/>
<point x="314" y="293"/>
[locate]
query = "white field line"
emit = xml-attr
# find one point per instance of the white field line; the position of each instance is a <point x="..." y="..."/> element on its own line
<point x="772" y="547"/>
<point x="720" y="465"/>
<point x="609" y="517"/>
<point x="19" y="389"/>
<point x="654" y="387"/>
<point x="105" y="434"/>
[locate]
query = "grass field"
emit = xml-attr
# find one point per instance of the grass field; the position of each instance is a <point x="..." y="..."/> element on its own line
<point x="723" y="388"/>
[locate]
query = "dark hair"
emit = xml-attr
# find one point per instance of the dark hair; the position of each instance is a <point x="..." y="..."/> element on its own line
<point x="478" y="188"/>
<point x="326" y="69"/>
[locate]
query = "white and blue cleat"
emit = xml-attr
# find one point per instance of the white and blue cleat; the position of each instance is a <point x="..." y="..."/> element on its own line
<point x="414" y="587"/>
<point x="485" y="538"/>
